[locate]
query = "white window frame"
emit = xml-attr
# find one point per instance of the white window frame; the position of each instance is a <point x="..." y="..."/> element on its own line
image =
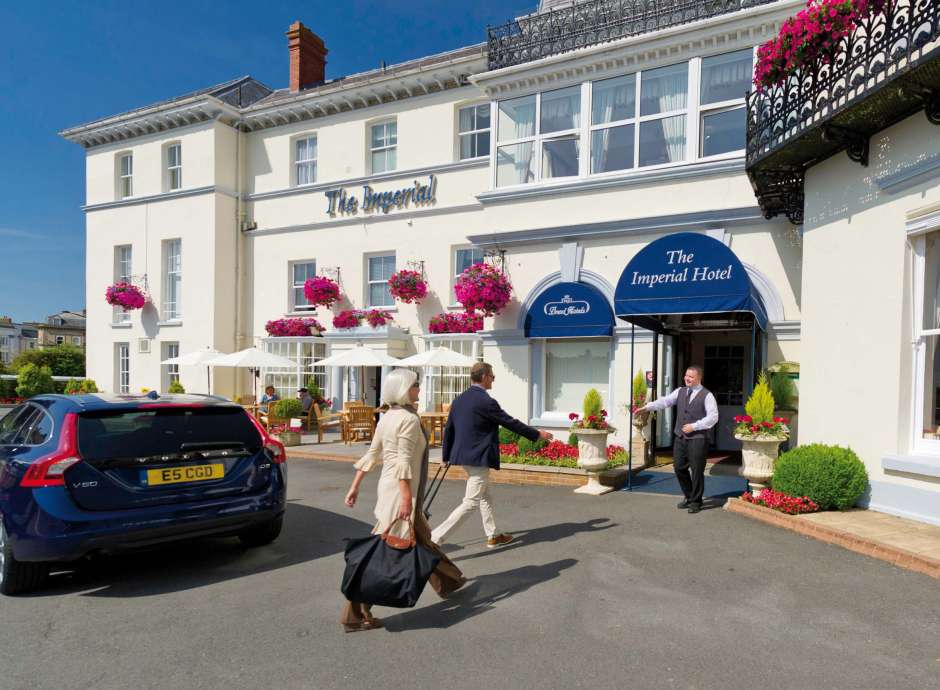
<point x="172" y="272"/>
<point x="293" y="286"/>
<point x="122" y="367"/>
<point x="77" y="340"/>
<point x="125" y="175"/>
<point x="560" y="418"/>
<point x="455" y="273"/>
<point x="387" y="147"/>
<point x="917" y="235"/>
<point x="300" y="163"/>
<point x="367" y="300"/>
<point x="473" y="132"/>
<point x="123" y="267"/>
<point x="716" y="108"/>
<point x="173" y="178"/>
<point x="169" y="372"/>
<point x="286" y="381"/>
<point x="457" y="377"/>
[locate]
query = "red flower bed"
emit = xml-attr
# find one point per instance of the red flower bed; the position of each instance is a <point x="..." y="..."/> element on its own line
<point x="456" y="322"/>
<point x="293" y="327"/>
<point x="126" y="296"/>
<point x="407" y="286"/>
<point x="483" y="288"/>
<point x="321" y="290"/>
<point x="791" y="505"/>
<point x="352" y="318"/>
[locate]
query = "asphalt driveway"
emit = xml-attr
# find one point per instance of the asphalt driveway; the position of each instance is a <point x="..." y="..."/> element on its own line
<point x="621" y="591"/>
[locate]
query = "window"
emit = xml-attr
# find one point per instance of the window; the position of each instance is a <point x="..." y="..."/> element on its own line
<point x="464" y="259"/>
<point x="126" y="175"/>
<point x="613" y="124"/>
<point x="380" y="270"/>
<point x="927" y="343"/>
<point x="60" y="340"/>
<point x="77" y="340"/>
<point x="300" y="271"/>
<point x="382" y="146"/>
<point x="5" y="349"/>
<point x="723" y="116"/>
<point x="305" y="160"/>
<point x="306" y="355"/>
<point x="170" y="372"/>
<point x="663" y="103"/>
<point x="443" y="384"/>
<point x="172" y="279"/>
<point x="122" y="274"/>
<point x="725" y="367"/>
<point x="473" y="127"/>
<point x="122" y="367"/>
<point x="551" y="149"/>
<point x="572" y="368"/>
<point x="174" y="167"/>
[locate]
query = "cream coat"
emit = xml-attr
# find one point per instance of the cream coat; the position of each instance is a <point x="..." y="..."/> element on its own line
<point x="399" y="444"/>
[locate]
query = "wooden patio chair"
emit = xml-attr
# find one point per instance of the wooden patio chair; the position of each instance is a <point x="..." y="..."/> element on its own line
<point x="360" y="423"/>
<point x="328" y="420"/>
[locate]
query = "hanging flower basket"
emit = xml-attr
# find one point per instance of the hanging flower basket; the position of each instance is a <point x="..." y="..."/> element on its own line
<point x="456" y="322"/>
<point x="353" y="318"/>
<point x="483" y="288"/>
<point x="814" y="32"/>
<point x="407" y="286"/>
<point x="297" y="328"/>
<point x="321" y="290"/>
<point x="126" y="296"/>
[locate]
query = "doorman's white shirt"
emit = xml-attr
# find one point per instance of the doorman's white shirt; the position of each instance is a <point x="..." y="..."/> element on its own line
<point x="711" y="407"/>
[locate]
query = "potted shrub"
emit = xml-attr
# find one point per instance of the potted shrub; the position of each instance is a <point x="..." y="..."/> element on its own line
<point x="642" y="427"/>
<point x="408" y="286"/>
<point x="592" y="430"/>
<point x="761" y="434"/>
<point x="284" y="411"/>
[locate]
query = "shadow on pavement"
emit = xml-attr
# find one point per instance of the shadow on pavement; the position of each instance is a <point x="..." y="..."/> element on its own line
<point x="479" y="596"/>
<point x="308" y="534"/>
<point x="555" y="532"/>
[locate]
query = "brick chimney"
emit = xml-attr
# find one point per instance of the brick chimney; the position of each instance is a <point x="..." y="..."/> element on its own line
<point x="307" y="57"/>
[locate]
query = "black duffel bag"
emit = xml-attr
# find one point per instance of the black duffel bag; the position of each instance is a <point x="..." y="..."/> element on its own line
<point x="388" y="571"/>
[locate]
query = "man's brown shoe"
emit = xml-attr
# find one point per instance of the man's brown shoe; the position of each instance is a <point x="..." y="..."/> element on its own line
<point x="498" y="540"/>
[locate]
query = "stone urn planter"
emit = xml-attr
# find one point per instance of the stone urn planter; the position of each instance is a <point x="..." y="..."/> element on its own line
<point x="642" y="434"/>
<point x="592" y="457"/>
<point x="757" y="460"/>
<point x="289" y="438"/>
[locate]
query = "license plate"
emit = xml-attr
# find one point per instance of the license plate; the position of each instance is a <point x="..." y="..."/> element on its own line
<point x="177" y="475"/>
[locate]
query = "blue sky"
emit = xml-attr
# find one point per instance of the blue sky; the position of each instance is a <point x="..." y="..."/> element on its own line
<point x="66" y="63"/>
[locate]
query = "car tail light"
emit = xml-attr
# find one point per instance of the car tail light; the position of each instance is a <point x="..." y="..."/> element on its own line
<point x="275" y="447"/>
<point x="49" y="469"/>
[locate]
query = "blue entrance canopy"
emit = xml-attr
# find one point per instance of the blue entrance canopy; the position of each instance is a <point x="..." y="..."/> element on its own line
<point x="685" y="273"/>
<point x="567" y="310"/>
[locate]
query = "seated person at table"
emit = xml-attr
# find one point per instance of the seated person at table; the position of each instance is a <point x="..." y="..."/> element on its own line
<point x="306" y="400"/>
<point x="269" y="397"/>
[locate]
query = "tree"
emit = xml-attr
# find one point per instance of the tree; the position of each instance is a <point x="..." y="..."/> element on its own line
<point x="34" y="380"/>
<point x="62" y="360"/>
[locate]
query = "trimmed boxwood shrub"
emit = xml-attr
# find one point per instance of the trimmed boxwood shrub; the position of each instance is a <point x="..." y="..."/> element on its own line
<point x="525" y="445"/>
<point x="507" y="436"/>
<point x="175" y="387"/>
<point x="831" y="476"/>
<point x="287" y="408"/>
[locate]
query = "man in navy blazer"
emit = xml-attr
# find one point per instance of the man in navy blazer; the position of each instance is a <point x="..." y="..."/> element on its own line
<point x="471" y="440"/>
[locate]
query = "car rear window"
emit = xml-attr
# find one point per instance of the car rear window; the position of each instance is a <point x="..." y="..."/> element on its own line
<point x="167" y="430"/>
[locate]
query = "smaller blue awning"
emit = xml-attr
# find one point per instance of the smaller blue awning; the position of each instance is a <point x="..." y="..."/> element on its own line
<point x="685" y="273"/>
<point x="567" y="310"/>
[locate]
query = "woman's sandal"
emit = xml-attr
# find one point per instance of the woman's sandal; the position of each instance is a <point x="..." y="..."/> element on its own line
<point x="365" y="624"/>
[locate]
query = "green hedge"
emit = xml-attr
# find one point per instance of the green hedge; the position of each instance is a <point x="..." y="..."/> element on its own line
<point x="507" y="436"/>
<point x="525" y="445"/>
<point x="833" y="477"/>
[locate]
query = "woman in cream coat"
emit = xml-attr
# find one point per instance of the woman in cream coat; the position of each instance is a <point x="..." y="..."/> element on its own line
<point x="401" y="445"/>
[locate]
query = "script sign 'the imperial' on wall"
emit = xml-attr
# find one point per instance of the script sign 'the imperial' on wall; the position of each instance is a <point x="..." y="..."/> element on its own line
<point x="342" y="202"/>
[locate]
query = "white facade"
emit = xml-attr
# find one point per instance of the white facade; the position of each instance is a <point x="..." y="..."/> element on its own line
<point x="251" y="214"/>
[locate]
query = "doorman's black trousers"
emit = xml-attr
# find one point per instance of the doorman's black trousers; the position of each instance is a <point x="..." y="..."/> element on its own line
<point x="688" y="457"/>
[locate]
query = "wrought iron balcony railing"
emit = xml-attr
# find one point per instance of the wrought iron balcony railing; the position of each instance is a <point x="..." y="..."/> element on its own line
<point x="593" y="22"/>
<point x="885" y="70"/>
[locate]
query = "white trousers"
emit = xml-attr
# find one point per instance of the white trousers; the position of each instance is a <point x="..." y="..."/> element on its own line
<point x="477" y="495"/>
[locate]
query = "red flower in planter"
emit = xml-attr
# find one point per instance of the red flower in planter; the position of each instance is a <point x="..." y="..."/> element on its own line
<point x="300" y="327"/>
<point x="456" y="322"/>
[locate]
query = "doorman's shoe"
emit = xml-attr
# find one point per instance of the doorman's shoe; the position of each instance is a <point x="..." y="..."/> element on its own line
<point x="684" y="503"/>
<point x="498" y="540"/>
<point x="695" y="507"/>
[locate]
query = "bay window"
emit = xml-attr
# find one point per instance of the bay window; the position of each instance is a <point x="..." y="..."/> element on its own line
<point x="613" y="124"/>
<point x="663" y="105"/>
<point x="305" y="353"/>
<point x="725" y="80"/>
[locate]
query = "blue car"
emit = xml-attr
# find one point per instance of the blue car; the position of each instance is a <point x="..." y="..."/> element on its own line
<point x="90" y="474"/>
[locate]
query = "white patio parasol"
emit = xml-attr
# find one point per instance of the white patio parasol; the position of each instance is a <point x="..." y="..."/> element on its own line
<point x="359" y="356"/>
<point x="252" y="358"/>
<point x="438" y="357"/>
<point x="195" y="358"/>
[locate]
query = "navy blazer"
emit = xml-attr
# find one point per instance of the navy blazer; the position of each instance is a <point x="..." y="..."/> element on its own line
<point x="472" y="433"/>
